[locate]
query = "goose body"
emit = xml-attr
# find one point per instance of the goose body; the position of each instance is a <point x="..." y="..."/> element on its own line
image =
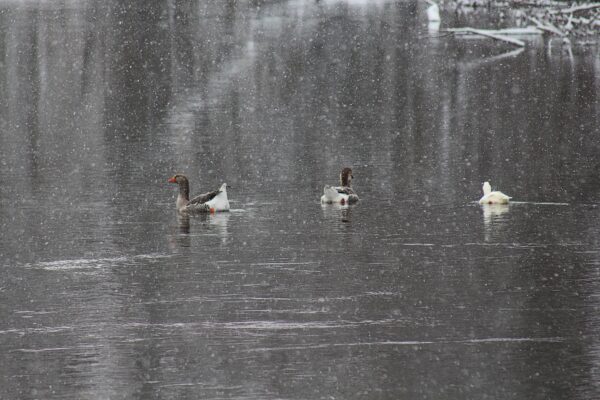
<point x="215" y="201"/>
<point x="495" y="197"/>
<point x="342" y="194"/>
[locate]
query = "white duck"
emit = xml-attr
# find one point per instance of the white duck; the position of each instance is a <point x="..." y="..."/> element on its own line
<point x="342" y="194"/>
<point x="208" y="202"/>
<point x="490" y="197"/>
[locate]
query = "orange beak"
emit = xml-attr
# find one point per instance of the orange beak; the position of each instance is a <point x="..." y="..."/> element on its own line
<point x="172" y="180"/>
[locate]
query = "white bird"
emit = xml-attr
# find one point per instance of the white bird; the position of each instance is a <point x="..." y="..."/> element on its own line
<point x="208" y="202"/>
<point x="342" y="194"/>
<point x="490" y="197"/>
<point x="433" y="12"/>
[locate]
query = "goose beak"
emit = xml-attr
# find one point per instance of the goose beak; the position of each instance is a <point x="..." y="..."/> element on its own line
<point x="172" y="180"/>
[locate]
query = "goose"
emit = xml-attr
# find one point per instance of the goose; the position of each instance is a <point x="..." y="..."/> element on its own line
<point x="342" y="194"/>
<point x="490" y="197"/>
<point x="208" y="202"/>
<point x="433" y="11"/>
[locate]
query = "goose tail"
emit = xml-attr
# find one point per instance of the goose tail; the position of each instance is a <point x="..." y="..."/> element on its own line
<point x="329" y="194"/>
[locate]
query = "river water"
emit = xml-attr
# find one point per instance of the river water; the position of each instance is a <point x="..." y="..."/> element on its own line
<point x="417" y="292"/>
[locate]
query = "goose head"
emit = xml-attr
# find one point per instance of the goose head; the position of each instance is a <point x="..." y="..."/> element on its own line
<point x="178" y="179"/>
<point x="487" y="189"/>
<point x="346" y="177"/>
<point x="184" y="185"/>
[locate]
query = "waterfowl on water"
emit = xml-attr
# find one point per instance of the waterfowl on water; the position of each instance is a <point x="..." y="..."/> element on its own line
<point x="495" y="197"/>
<point x="342" y="194"/>
<point x="214" y="201"/>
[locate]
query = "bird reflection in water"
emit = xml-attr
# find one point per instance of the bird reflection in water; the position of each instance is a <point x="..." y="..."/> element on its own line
<point x="343" y="212"/>
<point x="180" y="234"/>
<point x="206" y="225"/>
<point x="494" y="218"/>
<point x="184" y="223"/>
<point x="219" y="222"/>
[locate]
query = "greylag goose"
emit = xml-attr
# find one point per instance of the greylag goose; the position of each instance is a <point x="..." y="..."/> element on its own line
<point x="490" y="197"/>
<point x="208" y="202"/>
<point x="342" y="194"/>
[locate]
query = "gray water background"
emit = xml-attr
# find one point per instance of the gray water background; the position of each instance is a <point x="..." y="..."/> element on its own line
<point x="416" y="292"/>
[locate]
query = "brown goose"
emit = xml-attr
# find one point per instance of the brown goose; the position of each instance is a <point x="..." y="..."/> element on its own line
<point x="208" y="202"/>
<point x="342" y="194"/>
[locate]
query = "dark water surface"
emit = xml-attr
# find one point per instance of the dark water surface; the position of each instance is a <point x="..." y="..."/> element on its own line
<point x="415" y="293"/>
